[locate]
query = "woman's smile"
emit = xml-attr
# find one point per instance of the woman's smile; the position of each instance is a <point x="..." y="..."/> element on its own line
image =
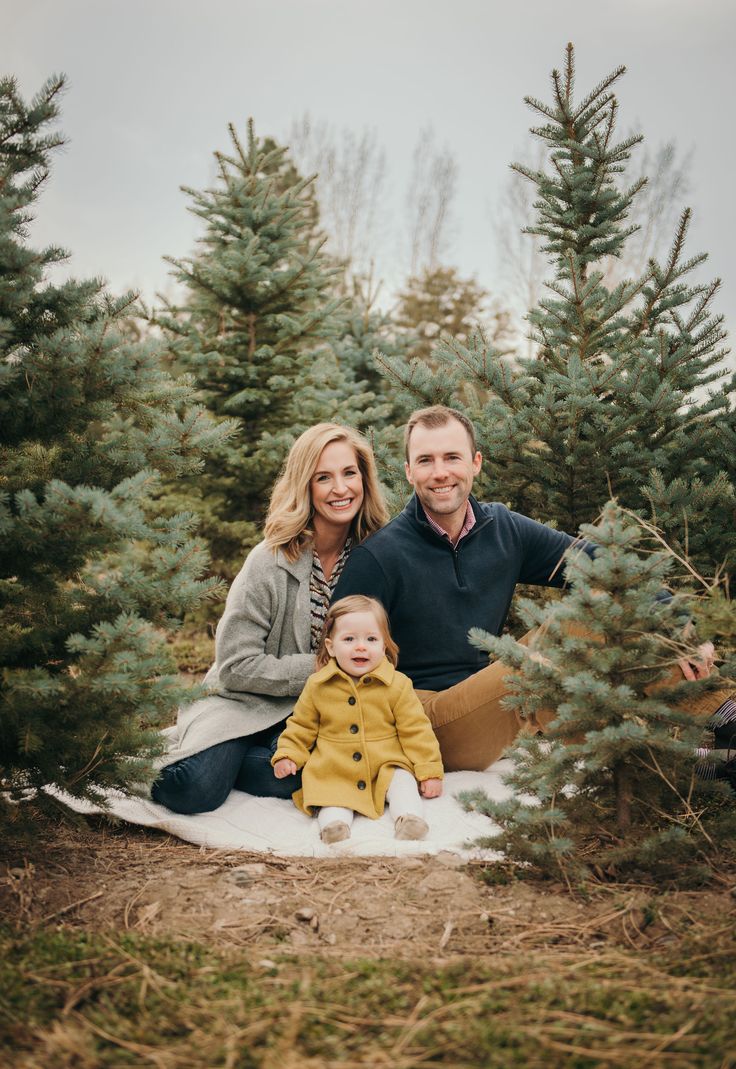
<point x="336" y="487"/>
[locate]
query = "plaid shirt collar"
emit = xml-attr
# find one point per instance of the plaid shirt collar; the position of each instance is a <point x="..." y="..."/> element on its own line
<point x="468" y="525"/>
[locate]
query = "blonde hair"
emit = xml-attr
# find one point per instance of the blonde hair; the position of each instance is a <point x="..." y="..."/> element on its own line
<point x="357" y="603"/>
<point x="288" y="523"/>
<point x="438" y="416"/>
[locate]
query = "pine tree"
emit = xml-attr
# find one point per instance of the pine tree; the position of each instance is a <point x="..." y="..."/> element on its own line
<point x="89" y="576"/>
<point x="436" y="308"/>
<point x="612" y="785"/>
<point x="439" y="301"/>
<point x="258" y="307"/>
<point x="627" y="394"/>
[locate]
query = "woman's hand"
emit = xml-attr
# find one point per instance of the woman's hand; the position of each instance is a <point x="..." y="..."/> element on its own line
<point x="430" y="788"/>
<point x="284" y="767"/>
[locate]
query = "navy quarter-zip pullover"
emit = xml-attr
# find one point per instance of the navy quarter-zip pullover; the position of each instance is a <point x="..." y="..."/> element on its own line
<point x="434" y="592"/>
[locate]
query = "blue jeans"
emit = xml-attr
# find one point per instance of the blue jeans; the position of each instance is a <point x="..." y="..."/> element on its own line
<point x="202" y="782"/>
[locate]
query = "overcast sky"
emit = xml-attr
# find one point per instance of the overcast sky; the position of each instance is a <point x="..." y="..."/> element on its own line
<point x="153" y="84"/>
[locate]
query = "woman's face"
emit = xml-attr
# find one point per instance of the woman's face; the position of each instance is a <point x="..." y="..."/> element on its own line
<point x="336" y="487"/>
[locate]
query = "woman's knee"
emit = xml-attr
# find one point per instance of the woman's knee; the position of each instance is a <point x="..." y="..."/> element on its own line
<point x="185" y="793"/>
<point x="202" y="782"/>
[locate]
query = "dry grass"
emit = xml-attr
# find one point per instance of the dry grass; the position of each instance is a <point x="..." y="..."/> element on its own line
<point x="125" y="947"/>
<point x="107" y="1001"/>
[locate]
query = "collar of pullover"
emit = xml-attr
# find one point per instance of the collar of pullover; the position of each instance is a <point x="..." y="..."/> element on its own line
<point x="418" y="519"/>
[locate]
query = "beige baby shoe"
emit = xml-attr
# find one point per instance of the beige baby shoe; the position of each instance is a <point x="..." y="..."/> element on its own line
<point x="409" y="826"/>
<point x="335" y="832"/>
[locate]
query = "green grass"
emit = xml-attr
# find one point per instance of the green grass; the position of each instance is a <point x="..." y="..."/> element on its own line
<point x="86" y="1001"/>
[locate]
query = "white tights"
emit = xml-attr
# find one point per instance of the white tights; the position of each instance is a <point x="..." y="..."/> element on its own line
<point x="402" y="797"/>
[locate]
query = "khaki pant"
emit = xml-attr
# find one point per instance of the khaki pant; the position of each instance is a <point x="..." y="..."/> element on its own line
<point x="473" y="727"/>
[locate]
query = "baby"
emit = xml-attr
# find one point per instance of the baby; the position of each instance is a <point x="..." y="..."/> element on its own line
<point x="359" y="731"/>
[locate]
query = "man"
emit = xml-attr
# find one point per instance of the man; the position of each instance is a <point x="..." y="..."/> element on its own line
<point x="448" y="563"/>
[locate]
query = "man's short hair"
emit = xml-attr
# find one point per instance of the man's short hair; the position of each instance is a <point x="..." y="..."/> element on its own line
<point x="438" y="416"/>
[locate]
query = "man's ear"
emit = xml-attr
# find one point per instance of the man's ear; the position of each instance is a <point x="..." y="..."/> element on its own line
<point x="406" y="472"/>
<point x="477" y="462"/>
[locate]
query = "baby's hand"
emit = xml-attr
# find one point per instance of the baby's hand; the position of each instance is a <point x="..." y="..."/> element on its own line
<point x="430" y="788"/>
<point x="284" y="767"/>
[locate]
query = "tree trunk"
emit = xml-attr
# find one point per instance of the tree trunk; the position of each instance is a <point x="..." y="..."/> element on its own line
<point x="622" y="786"/>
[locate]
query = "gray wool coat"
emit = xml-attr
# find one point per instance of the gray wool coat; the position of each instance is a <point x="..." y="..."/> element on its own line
<point x="262" y="656"/>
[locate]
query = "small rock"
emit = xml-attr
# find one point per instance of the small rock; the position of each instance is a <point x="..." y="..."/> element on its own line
<point x="306" y="913"/>
<point x="412" y="863"/>
<point x="338" y="912"/>
<point x="733" y="892"/>
<point x="331" y="939"/>
<point x="245" y="874"/>
<point x="266" y="963"/>
<point x="484" y="918"/>
<point x="452" y="861"/>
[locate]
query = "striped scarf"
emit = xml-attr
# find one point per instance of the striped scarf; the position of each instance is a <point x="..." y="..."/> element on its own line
<point x="321" y="591"/>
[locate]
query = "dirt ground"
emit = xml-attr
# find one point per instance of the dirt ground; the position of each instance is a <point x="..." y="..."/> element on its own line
<point x="103" y="878"/>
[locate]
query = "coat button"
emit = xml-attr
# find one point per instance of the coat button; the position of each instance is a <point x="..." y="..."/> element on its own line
<point x="367" y="680"/>
<point x="361" y="784"/>
<point x="357" y="756"/>
<point x="351" y="700"/>
<point x="354" y="729"/>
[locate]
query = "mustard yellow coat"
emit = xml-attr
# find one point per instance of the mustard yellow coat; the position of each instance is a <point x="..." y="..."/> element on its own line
<point x="348" y="735"/>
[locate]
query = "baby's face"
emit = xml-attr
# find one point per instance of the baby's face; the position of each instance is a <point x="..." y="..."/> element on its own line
<point x="356" y="643"/>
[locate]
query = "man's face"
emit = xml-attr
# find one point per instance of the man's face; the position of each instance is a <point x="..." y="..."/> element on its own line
<point x="441" y="468"/>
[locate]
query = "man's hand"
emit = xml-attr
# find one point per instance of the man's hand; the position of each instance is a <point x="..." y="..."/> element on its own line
<point x="284" y="767"/>
<point x="699" y="667"/>
<point x="430" y="788"/>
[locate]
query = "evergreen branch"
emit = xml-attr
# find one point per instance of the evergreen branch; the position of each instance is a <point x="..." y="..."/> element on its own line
<point x="702" y="304"/>
<point x="236" y="141"/>
<point x="600" y="88"/>
<point x="569" y="71"/>
<point x="542" y="108"/>
<point x="563" y="104"/>
<point x="584" y="119"/>
<point x="678" y="243"/>
<point x="305" y="263"/>
<point x="304" y="332"/>
<point x="526" y="172"/>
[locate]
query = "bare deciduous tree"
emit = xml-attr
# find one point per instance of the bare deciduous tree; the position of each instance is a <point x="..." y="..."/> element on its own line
<point x="351" y="175"/>
<point x="522" y="264"/>
<point x="428" y="202"/>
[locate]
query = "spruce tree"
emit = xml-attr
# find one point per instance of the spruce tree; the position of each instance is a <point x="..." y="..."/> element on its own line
<point x="90" y="577"/>
<point x="258" y="308"/>
<point x="627" y="394"/>
<point x="434" y="308"/>
<point x="612" y="786"/>
<point x="365" y="328"/>
<point x="439" y="301"/>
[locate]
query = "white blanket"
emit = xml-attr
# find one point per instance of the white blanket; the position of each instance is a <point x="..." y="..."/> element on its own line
<point x="273" y="826"/>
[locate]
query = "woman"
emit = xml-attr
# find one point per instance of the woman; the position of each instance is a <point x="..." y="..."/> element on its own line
<point x="326" y="500"/>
